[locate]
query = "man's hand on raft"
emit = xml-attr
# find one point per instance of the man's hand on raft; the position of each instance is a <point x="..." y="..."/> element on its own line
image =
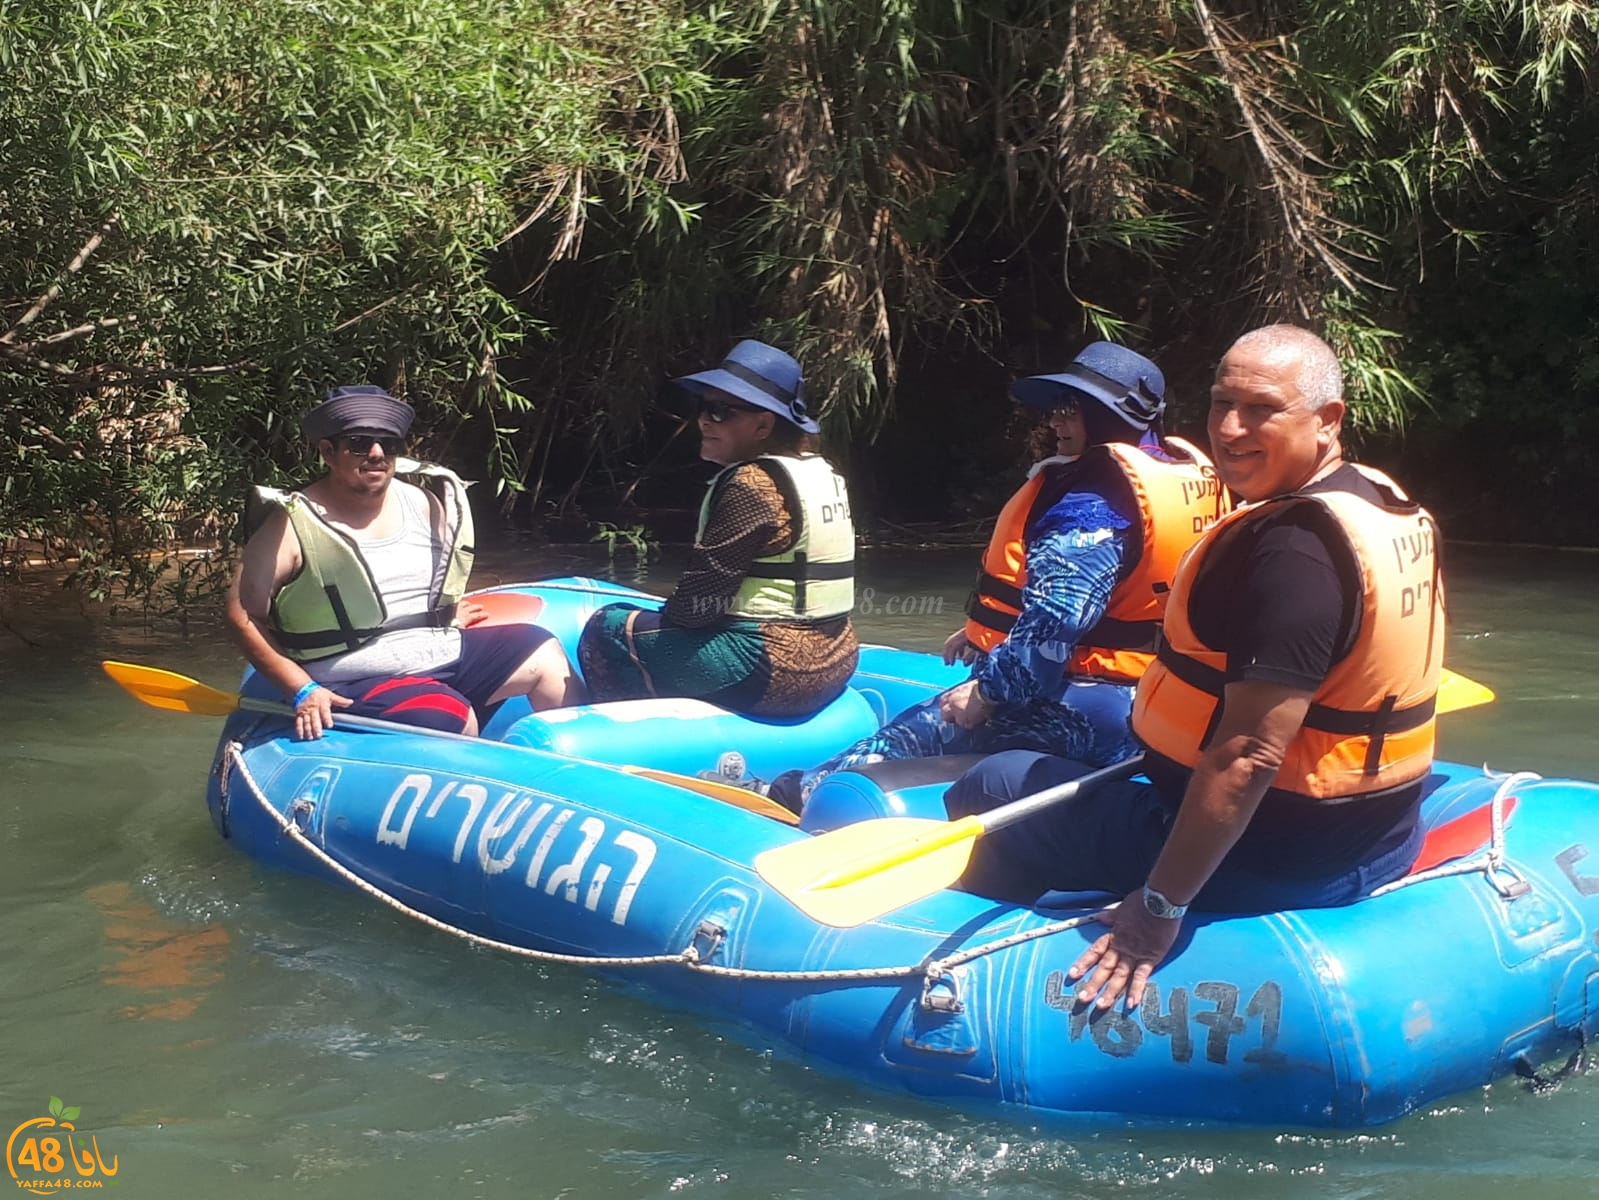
<point x="468" y="613"/>
<point x="1119" y="964"/>
<point x="314" y="717"/>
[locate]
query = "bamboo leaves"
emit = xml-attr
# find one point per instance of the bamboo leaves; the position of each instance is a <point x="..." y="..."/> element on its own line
<point x="213" y="210"/>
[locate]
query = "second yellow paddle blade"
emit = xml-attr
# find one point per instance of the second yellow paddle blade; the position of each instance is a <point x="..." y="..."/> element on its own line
<point x="171" y="691"/>
<point x="800" y="870"/>
<point x="1456" y="692"/>
<point x="725" y="792"/>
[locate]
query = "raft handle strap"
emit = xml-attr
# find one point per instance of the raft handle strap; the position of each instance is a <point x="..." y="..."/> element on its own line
<point x="1537" y="1082"/>
<point x="224" y="772"/>
<point x="708" y="939"/>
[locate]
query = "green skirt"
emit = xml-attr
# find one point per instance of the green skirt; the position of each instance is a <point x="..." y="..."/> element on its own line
<point x="629" y="653"/>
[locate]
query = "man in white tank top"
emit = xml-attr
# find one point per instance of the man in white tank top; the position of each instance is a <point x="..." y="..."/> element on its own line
<point x="388" y="546"/>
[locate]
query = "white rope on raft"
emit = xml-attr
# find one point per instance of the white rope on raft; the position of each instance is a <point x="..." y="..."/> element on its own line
<point x="934" y="970"/>
<point x="688" y="957"/>
<point x="1491" y="860"/>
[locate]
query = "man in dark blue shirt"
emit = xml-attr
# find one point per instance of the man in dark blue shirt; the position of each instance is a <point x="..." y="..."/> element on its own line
<point x="1288" y="718"/>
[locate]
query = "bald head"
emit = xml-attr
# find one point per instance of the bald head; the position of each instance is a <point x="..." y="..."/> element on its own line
<point x="1276" y="412"/>
<point x="1314" y="365"/>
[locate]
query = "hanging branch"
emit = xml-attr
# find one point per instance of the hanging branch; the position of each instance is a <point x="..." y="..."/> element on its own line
<point x="1281" y="152"/>
<point x="54" y="290"/>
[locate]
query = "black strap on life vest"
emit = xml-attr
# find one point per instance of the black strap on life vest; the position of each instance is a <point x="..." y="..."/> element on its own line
<point x="802" y="569"/>
<point x="341" y="614"/>
<point x="1387" y="719"/>
<point x="989" y="618"/>
<point x="351" y="638"/>
<point x="997" y="589"/>
<point x="1344" y="722"/>
<point x="1112" y="634"/>
<point x="1109" y="634"/>
<point x="990" y="587"/>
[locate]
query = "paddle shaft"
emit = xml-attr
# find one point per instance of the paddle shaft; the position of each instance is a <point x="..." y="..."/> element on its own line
<point x="1020" y="810"/>
<point x="279" y="708"/>
<point x="178" y="693"/>
<point x="726" y="793"/>
<point x="972" y="828"/>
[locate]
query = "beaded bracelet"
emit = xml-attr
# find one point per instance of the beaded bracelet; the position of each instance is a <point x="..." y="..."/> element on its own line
<point x="311" y="685"/>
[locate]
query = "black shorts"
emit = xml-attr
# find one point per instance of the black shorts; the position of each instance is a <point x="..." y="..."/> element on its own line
<point x="443" y="697"/>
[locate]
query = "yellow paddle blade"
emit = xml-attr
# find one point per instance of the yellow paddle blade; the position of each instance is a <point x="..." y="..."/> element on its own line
<point x="847" y="877"/>
<point x="171" y="691"/>
<point x="1456" y="692"/>
<point x="725" y="792"/>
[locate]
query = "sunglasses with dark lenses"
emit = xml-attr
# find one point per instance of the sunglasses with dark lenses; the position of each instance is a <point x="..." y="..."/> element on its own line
<point x="1066" y="408"/>
<point x="361" y="443"/>
<point x="718" y="411"/>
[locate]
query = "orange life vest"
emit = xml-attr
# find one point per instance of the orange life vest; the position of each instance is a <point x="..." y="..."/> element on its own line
<point x="1370" y="727"/>
<point x="1177" y="501"/>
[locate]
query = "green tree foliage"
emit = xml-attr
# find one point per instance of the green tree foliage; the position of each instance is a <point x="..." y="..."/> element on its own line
<point x="890" y="175"/>
<point x="525" y="213"/>
<point x="214" y="210"/>
<point x="1504" y="338"/>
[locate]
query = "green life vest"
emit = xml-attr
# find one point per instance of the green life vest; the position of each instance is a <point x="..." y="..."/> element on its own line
<point x="332" y="604"/>
<point x="815" y="578"/>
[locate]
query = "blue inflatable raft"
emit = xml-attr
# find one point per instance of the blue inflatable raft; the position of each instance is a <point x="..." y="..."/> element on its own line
<point x="538" y="840"/>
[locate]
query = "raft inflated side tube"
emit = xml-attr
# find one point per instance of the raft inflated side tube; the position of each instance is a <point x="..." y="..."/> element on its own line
<point x="690" y="736"/>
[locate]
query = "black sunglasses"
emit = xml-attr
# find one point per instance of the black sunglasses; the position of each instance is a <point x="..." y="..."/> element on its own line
<point x="1066" y="408"/>
<point x="719" y="410"/>
<point x="361" y="443"/>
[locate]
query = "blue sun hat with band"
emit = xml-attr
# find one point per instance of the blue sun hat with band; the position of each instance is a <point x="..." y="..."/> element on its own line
<point x="761" y="375"/>
<point x="1123" y="380"/>
<point x="362" y="406"/>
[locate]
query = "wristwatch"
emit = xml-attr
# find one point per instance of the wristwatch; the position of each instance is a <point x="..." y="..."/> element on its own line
<point x="1157" y="905"/>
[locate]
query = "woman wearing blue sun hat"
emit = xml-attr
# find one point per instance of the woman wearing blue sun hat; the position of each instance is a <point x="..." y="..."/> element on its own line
<point x="1062" y="620"/>
<point x="759" y="622"/>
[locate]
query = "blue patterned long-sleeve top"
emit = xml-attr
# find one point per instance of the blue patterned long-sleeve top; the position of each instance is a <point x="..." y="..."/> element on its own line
<point x="1075" y="557"/>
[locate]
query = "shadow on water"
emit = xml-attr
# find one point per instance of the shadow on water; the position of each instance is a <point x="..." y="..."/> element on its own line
<point x="226" y="1027"/>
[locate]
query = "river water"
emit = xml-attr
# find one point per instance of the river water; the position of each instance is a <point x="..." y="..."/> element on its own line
<point x="227" y="1030"/>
